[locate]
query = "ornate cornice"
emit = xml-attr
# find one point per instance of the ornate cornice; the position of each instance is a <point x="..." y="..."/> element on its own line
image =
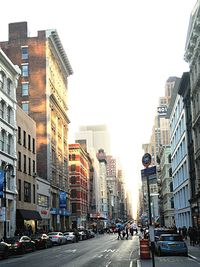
<point x="60" y="52"/>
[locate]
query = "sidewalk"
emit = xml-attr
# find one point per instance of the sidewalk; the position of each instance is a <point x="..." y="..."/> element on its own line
<point x="193" y="252"/>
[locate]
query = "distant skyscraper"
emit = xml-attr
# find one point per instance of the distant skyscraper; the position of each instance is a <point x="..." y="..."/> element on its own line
<point x="97" y="137"/>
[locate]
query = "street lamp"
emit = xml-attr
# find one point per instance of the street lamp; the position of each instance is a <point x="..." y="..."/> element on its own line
<point x="7" y="168"/>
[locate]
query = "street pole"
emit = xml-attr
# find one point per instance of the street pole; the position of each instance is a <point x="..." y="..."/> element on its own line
<point x="150" y="220"/>
<point x="146" y="161"/>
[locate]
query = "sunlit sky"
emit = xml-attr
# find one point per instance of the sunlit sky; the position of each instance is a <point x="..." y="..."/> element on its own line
<point x="122" y="52"/>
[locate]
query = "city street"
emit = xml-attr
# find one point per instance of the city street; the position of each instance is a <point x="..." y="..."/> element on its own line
<point x="101" y="251"/>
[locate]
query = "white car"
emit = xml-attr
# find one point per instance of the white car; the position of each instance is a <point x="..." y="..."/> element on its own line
<point x="70" y="236"/>
<point x="57" y="238"/>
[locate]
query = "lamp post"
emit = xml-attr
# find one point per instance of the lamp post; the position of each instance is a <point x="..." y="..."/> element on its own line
<point x="7" y="168"/>
<point x="146" y="161"/>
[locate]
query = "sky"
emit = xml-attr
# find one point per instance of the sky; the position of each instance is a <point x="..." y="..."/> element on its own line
<point x="121" y="52"/>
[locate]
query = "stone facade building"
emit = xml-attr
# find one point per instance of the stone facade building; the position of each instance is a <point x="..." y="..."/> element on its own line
<point x="9" y="75"/>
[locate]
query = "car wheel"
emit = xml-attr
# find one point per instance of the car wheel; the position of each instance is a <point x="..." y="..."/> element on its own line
<point x="33" y="248"/>
<point x="46" y="245"/>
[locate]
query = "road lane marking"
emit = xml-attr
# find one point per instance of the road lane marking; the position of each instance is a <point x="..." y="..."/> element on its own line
<point x="131" y="264"/>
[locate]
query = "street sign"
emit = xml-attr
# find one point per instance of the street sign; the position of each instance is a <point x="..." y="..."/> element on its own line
<point x="146" y="160"/>
<point x="148" y="171"/>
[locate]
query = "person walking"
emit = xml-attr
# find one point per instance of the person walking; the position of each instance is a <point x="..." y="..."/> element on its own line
<point x="127" y="229"/>
<point x="119" y="233"/>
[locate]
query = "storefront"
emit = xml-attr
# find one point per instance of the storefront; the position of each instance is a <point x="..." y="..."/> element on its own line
<point x="59" y="219"/>
<point x="26" y="221"/>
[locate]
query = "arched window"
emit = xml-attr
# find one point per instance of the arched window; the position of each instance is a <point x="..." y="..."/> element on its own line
<point x="9" y="144"/>
<point x="2" y="109"/>
<point x="2" y="141"/>
<point x="2" y="79"/>
<point x="9" y="86"/>
<point x="9" y="112"/>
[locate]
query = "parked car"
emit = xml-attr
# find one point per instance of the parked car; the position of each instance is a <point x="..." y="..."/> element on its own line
<point x="70" y="236"/>
<point x="57" y="238"/>
<point x="4" y="250"/>
<point x="161" y="231"/>
<point x="42" y="241"/>
<point x="21" y="245"/>
<point x="171" y="244"/>
<point x="91" y="233"/>
<point x="82" y="235"/>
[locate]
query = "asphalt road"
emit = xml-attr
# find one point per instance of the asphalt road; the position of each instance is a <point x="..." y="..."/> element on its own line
<point x="102" y="251"/>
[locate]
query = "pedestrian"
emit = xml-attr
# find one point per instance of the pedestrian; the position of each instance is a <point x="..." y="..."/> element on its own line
<point x="126" y="229"/>
<point x="119" y="233"/>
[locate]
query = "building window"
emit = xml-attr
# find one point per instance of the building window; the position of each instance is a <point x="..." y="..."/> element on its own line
<point x="19" y="190"/>
<point x="24" y="163"/>
<point x="24" y="138"/>
<point x="9" y="144"/>
<point x="33" y="145"/>
<point x="3" y="137"/>
<point x="73" y="167"/>
<point x="19" y="135"/>
<point x="29" y="166"/>
<point x="9" y="112"/>
<point x="27" y="192"/>
<point x="25" y="89"/>
<point x="2" y="109"/>
<point x="73" y="157"/>
<point x="25" y="107"/>
<point x="34" y="166"/>
<point x="19" y="161"/>
<point x="25" y="70"/>
<point x="24" y="51"/>
<point x="29" y="142"/>
<point x="9" y="86"/>
<point x="34" y="194"/>
<point x="74" y="208"/>
<point x="43" y="201"/>
<point x="2" y="79"/>
<point x="73" y="179"/>
<point x="73" y="193"/>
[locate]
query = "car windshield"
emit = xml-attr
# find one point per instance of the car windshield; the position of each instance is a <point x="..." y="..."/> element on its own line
<point x="171" y="238"/>
<point x="53" y="233"/>
<point x="159" y="232"/>
<point x="12" y="240"/>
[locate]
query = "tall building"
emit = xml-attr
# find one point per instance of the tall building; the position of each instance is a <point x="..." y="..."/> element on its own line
<point x="43" y="94"/>
<point x="9" y="75"/>
<point x="103" y="205"/>
<point x="179" y="160"/>
<point x="97" y="137"/>
<point x="185" y="92"/>
<point x="165" y="185"/>
<point x="192" y="57"/>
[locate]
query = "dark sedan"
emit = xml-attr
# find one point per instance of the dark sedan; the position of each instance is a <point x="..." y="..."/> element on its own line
<point x="4" y="250"/>
<point x="20" y="245"/>
<point x="42" y="241"/>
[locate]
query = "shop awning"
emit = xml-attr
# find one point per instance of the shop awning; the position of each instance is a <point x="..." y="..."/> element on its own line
<point x="29" y="214"/>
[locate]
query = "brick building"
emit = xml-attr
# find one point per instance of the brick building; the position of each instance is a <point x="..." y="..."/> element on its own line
<point x="43" y="94"/>
<point x="79" y="170"/>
